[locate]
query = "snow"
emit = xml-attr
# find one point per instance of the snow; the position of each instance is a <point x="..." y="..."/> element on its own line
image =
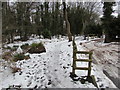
<point x="52" y="68"/>
<point x="17" y="37"/>
<point x="106" y="56"/>
<point x="19" y="50"/>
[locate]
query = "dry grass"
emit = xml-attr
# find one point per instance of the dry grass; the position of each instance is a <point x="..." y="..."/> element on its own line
<point x="7" y="56"/>
<point x="15" y="69"/>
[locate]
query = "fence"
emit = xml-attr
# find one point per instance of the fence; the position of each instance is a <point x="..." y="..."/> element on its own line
<point x="90" y="78"/>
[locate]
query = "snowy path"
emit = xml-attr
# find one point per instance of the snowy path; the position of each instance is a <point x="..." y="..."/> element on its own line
<point x="53" y="66"/>
<point x="56" y="72"/>
<point x="50" y="69"/>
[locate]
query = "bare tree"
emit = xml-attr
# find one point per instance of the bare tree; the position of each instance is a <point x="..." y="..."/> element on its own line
<point x="90" y="10"/>
<point x="67" y="22"/>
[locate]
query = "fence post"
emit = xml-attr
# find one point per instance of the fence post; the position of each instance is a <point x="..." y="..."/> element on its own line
<point x="89" y="64"/>
<point x="74" y="55"/>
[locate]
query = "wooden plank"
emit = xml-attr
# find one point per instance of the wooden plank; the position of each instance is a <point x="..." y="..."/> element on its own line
<point x="82" y="52"/>
<point x="84" y="60"/>
<point x="82" y="68"/>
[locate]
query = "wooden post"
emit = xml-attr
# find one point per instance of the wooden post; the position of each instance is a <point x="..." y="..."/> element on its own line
<point x="89" y="64"/>
<point x="88" y="37"/>
<point x="74" y="56"/>
<point x="74" y="64"/>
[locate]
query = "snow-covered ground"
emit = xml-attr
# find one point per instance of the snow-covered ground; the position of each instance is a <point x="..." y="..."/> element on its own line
<point x="52" y="68"/>
<point x="106" y="55"/>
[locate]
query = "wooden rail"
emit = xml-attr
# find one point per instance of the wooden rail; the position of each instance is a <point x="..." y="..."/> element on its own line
<point x="83" y="60"/>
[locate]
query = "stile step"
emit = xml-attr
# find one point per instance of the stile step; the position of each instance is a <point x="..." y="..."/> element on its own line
<point x="82" y="68"/>
<point x="83" y="60"/>
<point x="82" y="52"/>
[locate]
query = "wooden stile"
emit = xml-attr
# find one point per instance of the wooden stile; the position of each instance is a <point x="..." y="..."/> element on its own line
<point x="81" y="60"/>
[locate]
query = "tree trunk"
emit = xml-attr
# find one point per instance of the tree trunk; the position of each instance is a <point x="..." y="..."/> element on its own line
<point x="67" y="23"/>
<point x="83" y="27"/>
<point x="68" y="29"/>
<point x="107" y="37"/>
<point x="12" y="40"/>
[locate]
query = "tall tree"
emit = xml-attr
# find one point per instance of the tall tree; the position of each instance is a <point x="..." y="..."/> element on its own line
<point x="67" y="22"/>
<point x="46" y="15"/>
<point x="27" y="21"/>
<point x="38" y="21"/>
<point x="9" y="21"/>
<point x="107" y="18"/>
<point x="115" y="26"/>
<point x="23" y="14"/>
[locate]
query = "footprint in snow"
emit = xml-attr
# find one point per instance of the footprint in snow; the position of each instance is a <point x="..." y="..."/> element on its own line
<point x="37" y="78"/>
<point x="65" y="71"/>
<point x="39" y="55"/>
<point x="27" y="76"/>
<point x="44" y="64"/>
<point x="55" y="70"/>
<point x="33" y="61"/>
<point x="61" y="64"/>
<point x="49" y="82"/>
<point x="65" y="67"/>
<point x="28" y="73"/>
<point x="35" y="65"/>
<point x="23" y="61"/>
<point x="44" y="69"/>
<point x="20" y="73"/>
<point x="98" y="79"/>
<point x="29" y="84"/>
<point x="64" y="59"/>
<point x="101" y="85"/>
<point x="33" y="73"/>
<point x="69" y="45"/>
<point x="42" y="80"/>
<point x="68" y="54"/>
<point x="42" y="77"/>
<point x="35" y="87"/>
<point x="68" y="64"/>
<point x="37" y="81"/>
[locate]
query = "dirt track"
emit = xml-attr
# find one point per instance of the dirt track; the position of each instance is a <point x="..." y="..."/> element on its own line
<point x="106" y="55"/>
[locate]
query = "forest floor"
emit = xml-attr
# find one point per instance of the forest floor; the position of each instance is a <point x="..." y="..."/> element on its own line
<point x="52" y="68"/>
